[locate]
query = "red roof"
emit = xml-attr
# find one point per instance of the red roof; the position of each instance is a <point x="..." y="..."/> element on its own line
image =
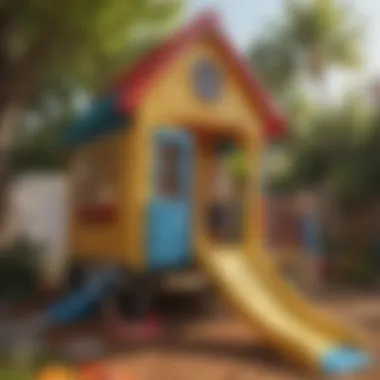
<point x="135" y="81"/>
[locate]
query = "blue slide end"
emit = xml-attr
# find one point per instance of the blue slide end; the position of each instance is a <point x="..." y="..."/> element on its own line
<point x="80" y="303"/>
<point x="340" y="360"/>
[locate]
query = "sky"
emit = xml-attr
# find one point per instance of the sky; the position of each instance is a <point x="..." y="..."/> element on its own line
<point x="243" y="19"/>
<point x="247" y="20"/>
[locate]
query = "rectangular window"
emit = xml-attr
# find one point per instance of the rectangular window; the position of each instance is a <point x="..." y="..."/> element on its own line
<point x="169" y="181"/>
<point x="96" y="180"/>
<point x="84" y="179"/>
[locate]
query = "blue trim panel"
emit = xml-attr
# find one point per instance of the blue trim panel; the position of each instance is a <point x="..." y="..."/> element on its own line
<point x="340" y="360"/>
<point x="101" y="118"/>
<point x="169" y="235"/>
<point x="79" y="304"/>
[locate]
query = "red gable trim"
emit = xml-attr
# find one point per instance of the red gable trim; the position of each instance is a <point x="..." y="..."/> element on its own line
<point x="275" y="124"/>
<point x="135" y="82"/>
<point x="135" y="79"/>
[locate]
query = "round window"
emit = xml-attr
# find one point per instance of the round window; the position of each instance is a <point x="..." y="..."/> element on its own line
<point x="207" y="79"/>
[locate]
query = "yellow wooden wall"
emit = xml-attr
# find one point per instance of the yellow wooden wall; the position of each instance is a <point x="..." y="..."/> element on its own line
<point x="103" y="241"/>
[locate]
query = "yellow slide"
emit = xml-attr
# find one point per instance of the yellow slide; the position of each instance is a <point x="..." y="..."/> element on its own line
<point x="268" y="303"/>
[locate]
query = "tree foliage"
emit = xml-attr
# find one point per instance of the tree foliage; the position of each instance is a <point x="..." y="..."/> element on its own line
<point x="312" y="37"/>
<point x="325" y="32"/>
<point x="75" y="38"/>
<point x="51" y="50"/>
<point x="53" y="53"/>
<point x="327" y="143"/>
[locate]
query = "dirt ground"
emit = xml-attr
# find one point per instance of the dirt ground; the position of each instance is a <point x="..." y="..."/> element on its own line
<point x="225" y="348"/>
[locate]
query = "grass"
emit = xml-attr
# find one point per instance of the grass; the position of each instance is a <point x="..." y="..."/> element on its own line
<point x="10" y="370"/>
<point x="16" y="374"/>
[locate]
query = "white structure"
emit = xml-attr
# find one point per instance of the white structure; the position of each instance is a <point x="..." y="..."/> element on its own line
<point x="39" y="211"/>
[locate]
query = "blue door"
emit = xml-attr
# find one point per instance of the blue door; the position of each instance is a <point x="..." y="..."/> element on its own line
<point x="170" y="209"/>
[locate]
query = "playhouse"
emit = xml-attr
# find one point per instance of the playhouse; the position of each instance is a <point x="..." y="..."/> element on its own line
<point x="144" y="155"/>
<point x="149" y="192"/>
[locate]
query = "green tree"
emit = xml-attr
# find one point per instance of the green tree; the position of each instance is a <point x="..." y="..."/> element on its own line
<point x="325" y="33"/>
<point x="275" y="61"/>
<point x="312" y="37"/>
<point x="57" y="47"/>
<point x="51" y="110"/>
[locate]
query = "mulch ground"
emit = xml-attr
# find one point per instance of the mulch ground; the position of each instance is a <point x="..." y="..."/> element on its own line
<point x="220" y="349"/>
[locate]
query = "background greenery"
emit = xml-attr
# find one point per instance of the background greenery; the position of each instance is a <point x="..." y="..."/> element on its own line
<point x="56" y="56"/>
<point x="19" y="276"/>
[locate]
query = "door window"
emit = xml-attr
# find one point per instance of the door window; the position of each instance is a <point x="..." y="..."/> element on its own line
<point x="97" y="176"/>
<point x="169" y="185"/>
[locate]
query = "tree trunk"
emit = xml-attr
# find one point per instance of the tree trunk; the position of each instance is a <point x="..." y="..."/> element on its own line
<point x="9" y="119"/>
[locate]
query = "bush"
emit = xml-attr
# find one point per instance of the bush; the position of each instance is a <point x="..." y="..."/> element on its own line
<point x="37" y="158"/>
<point x="19" y="270"/>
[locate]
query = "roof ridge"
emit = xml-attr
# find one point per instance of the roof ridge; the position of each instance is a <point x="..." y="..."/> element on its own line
<point x="129" y="88"/>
